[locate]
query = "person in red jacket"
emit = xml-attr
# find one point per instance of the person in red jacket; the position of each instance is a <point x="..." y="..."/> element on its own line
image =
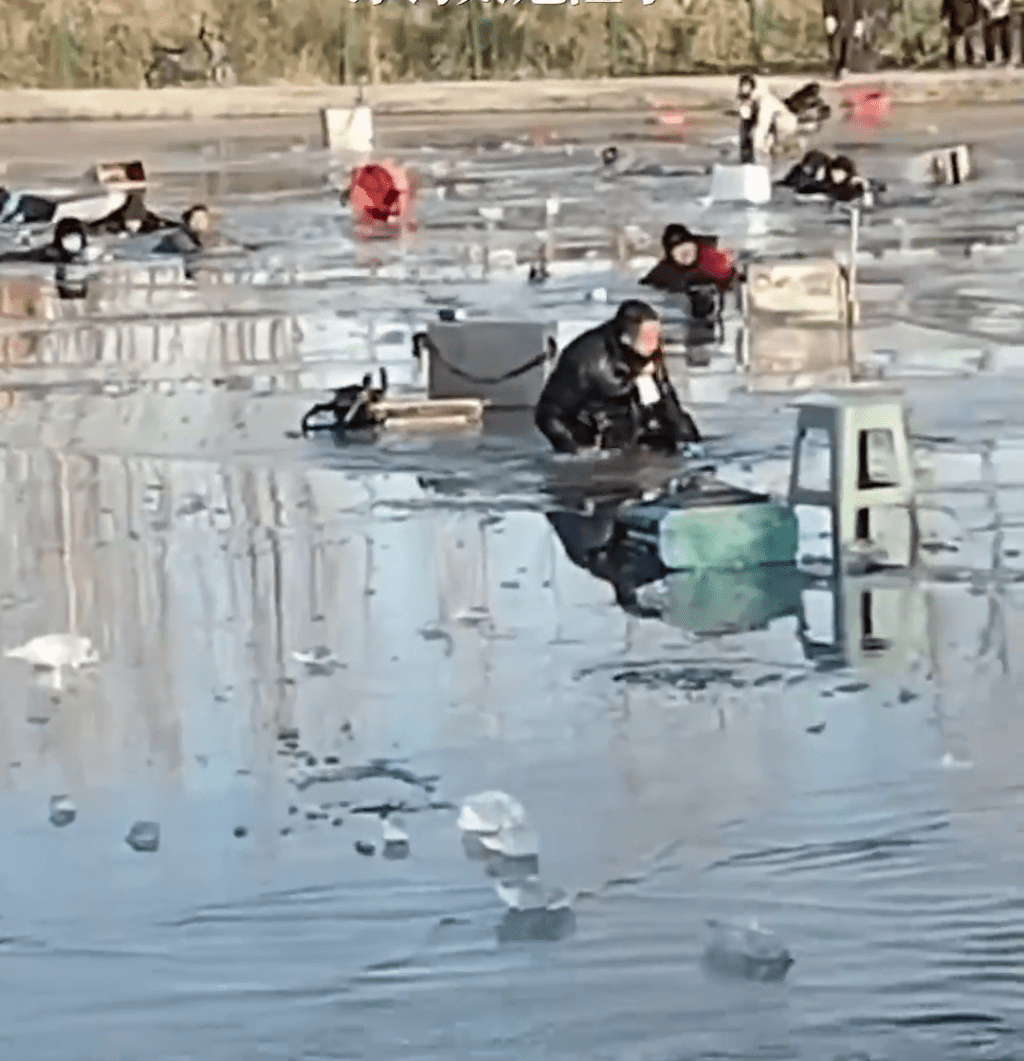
<point x="690" y="260"/>
<point x="694" y="266"/>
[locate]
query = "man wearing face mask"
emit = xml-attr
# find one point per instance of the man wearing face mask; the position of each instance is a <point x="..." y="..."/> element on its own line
<point x="610" y="390"/>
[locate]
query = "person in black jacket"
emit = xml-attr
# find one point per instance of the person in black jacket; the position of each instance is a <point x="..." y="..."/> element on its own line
<point x="609" y="389"/>
<point x="682" y="266"/>
<point x="683" y="270"/>
<point x="68" y="245"/>
<point x="194" y="234"/>
<point x="818" y="174"/>
<point x="132" y="217"/>
<point x="810" y="175"/>
<point x="844" y="28"/>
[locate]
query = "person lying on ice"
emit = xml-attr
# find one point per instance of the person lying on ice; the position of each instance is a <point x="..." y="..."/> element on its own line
<point x="609" y="389"/>
<point x="837" y="178"/>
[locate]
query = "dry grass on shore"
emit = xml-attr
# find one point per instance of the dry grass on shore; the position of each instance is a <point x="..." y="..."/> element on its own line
<point x="107" y="43"/>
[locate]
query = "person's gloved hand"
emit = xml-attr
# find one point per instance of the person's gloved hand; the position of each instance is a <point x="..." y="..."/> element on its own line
<point x="831" y="25"/>
<point x="858" y="29"/>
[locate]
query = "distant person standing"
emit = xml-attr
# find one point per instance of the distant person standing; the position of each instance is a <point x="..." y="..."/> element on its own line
<point x="960" y="16"/>
<point x="996" y="30"/>
<point x="844" y="30"/>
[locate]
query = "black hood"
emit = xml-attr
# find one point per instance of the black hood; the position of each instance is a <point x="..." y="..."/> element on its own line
<point x="674" y="235"/>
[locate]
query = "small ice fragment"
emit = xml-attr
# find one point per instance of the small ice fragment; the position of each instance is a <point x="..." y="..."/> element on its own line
<point x="365" y="848"/>
<point x="747" y="951"/>
<point x="513" y="841"/>
<point x="491" y="213"/>
<point x="597" y="294"/>
<point x="489" y="812"/>
<point x="62" y="810"/>
<point x="950" y="762"/>
<point x="55" y="651"/>
<point x="547" y="925"/>
<point x="143" y="836"/>
<point x="319" y="660"/>
<point x="531" y="894"/>
<point x="394" y="831"/>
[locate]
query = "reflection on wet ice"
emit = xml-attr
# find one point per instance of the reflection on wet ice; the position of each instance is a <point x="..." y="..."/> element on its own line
<point x="295" y="640"/>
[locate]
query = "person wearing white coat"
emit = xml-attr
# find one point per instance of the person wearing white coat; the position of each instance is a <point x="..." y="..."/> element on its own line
<point x="764" y="121"/>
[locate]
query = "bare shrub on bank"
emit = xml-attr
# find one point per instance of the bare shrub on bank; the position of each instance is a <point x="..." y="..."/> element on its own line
<point x="108" y="43"/>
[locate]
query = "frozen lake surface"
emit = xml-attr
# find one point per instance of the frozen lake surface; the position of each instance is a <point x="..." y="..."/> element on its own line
<point x="293" y="638"/>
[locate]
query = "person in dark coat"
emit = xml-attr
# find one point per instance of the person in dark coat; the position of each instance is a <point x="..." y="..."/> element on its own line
<point x="131" y="217"/>
<point x="195" y="233"/>
<point x="960" y="16"/>
<point x="818" y="174"/>
<point x="809" y="176"/>
<point x="610" y="390"/>
<point x="995" y="16"/>
<point x="693" y="265"/>
<point x="845" y="185"/>
<point x="67" y="246"/>
<point x="690" y="261"/>
<point x="844" y="28"/>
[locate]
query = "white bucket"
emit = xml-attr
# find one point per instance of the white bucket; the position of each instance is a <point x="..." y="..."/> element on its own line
<point x="347" y="129"/>
<point x="741" y="184"/>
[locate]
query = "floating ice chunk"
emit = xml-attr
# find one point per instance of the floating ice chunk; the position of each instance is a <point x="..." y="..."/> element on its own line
<point x="319" y="660"/>
<point x="746" y="950"/>
<point x="545" y="925"/>
<point x="491" y="213"/>
<point x="393" y="828"/>
<point x="513" y="841"/>
<point x="490" y="812"/>
<point x="950" y="762"/>
<point x="531" y="894"/>
<point x="54" y="652"/>
<point x="62" y="811"/>
<point x="143" y="836"/>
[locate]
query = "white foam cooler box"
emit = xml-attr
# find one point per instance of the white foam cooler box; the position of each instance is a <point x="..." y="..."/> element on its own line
<point x="127" y="176"/>
<point x="946" y="165"/>
<point x="810" y="290"/>
<point x="475" y="356"/>
<point x="741" y="184"/>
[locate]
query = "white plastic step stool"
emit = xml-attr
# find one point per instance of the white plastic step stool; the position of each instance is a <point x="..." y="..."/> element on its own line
<point x="861" y="505"/>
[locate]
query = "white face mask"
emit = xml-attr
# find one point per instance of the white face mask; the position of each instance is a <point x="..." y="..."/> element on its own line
<point x="72" y="242"/>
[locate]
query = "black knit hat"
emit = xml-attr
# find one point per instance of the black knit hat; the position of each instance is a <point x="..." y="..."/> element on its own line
<point x="674" y="235"/>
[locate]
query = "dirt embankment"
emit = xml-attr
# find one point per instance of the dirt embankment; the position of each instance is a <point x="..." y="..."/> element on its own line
<point x="621" y="94"/>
